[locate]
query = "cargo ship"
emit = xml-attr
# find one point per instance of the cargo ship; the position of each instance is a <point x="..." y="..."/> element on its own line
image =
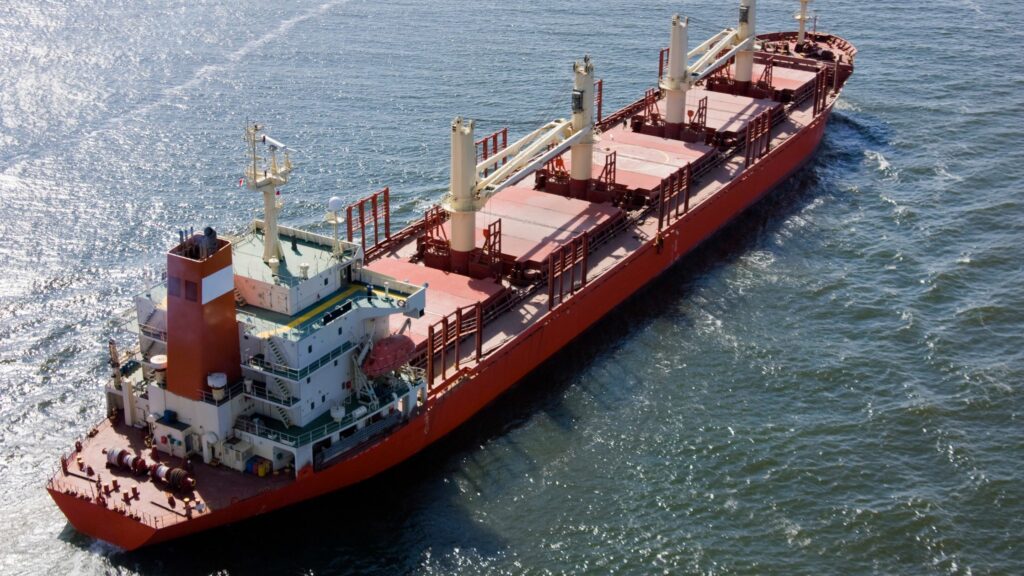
<point x="276" y="365"/>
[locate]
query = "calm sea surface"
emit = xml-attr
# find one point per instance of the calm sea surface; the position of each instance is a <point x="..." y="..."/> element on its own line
<point x="833" y="385"/>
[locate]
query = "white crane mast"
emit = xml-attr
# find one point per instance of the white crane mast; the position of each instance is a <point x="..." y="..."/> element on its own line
<point x="802" y="19"/>
<point x="469" y="191"/>
<point x="582" y="152"/>
<point x="677" y="82"/>
<point x="461" y="195"/>
<point x="747" y="31"/>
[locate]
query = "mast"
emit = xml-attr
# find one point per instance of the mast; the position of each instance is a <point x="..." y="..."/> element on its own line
<point x="677" y="81"/>
<point x="802" y="19"/>
<point x="469" y="191"/>
<point x="266" y="181"/>
<point x="463" y="182"/>
<point x="582" y="152"/>
<point x="747" y="31"/>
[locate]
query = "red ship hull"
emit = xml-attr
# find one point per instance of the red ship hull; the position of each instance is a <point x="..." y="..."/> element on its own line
<point x="495" y="374"/>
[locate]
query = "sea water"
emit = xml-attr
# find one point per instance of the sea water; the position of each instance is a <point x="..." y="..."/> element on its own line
<point x="832" y="385"/>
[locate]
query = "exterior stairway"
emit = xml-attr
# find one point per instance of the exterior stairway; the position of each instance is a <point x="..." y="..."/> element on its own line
<point x="144" y="326"/>
<point x="276" y="386"/>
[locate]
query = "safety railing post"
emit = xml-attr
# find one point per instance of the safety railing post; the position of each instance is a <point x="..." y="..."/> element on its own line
<point x="458" y="336"/>
<point x="362" y="225"/>
<point x="387" y="213"/>
<point x="444" y="348"/>
<point x="479" y="331"/>
<point x="430" y="355"/>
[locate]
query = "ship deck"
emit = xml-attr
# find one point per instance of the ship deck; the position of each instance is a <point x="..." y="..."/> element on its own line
<point x="534" y="224"/>
<point x="217" y="487"/>
<point x="445" y="292"/>
<point x="642" y="160"/>
<point x="247" y="257"/>
<point x="783" y="78"/>
<point x="269" y="323"/>
<point x="451" y="291"/>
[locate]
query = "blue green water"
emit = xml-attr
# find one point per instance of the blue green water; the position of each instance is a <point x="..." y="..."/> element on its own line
<point x="830" y="386"/>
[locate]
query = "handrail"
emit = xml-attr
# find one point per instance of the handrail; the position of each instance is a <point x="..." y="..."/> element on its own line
<point x="246" y="424"/>
<point x="262" y="393"/>
<point x="360" y="436"/>
<point x="87" y="491"/>
<point x="296" y="374"/>
<point x="229" y="393"/>
<point x="153" y="332"/>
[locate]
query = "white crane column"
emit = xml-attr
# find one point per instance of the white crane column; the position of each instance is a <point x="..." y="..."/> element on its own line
<point x="747" y="30"/>
<point x="463" y="207"/>
<point x="802" y="18"/>
<point x="676" y="83"/>
<point x="582" y="152"/>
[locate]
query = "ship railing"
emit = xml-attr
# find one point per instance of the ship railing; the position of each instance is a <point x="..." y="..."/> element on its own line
<point x="156" y="293"/>
<point x="368" y="432"/>
<point x="262" y="393"/>
<point x="449" y="333"/>
<point x="251" y="426"/>
<point x="624" y="114"/>
<point x="153" y="332"/>
<point x="450" y="381"/>
<point x="87" y="491"/>
<point x="259" y="362"/>
<point x="376" y="207"/>
<point x="320" y="262"/>
<point x="229" y="393"/>
<point x="296" y="334"/>
<point x="437" y="376"/>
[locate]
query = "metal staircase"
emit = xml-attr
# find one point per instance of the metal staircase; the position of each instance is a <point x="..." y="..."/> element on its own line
<point x="363" y="387"/>
<point x="143" y="326"/>
<point x="276" y="386"/>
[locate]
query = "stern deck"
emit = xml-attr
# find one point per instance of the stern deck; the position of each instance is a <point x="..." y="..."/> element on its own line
<point x="217" y="487"/>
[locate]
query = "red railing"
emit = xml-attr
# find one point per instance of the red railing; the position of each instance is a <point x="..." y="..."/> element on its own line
<point x="765" y="81"/>
<point x="820" y="90"/>
<point x="651" y="109"/>
<point x="448" y="333"/>
<point x="490" y="145"/>
<point x="699" y="121"/>
<point x="758" y="136"/>
<point x="379" y="207"/>
<point x="623" y="114"/>
<point x="492" y="241"/>
<point x="564" y="261"/>
<point x="675" y="191"/>
<point x="662" y="62"/>
<point x="607" y="176"/>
